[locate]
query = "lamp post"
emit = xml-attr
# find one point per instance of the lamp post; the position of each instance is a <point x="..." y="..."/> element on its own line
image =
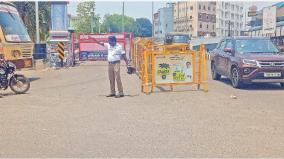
<point x="122" y="27"/>
<point x="229" y="28"/>
<point x="99" y="23"/>
<point x="37" y="22"/>
<point x="92" y="20"/>
<point x="152" y="20"/>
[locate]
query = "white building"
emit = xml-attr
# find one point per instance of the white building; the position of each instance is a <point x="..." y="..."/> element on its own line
<point x="229" y="13"/>
<point x="163" y="21"/>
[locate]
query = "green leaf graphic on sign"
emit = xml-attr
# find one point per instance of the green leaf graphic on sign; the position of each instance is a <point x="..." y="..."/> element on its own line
<point x="163" y="69"/>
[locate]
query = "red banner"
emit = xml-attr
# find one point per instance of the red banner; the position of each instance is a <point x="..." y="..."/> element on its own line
<point x="90" y="50"/>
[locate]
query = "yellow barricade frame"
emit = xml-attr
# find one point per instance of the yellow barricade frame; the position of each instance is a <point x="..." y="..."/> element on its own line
<point x="143" y="59"/>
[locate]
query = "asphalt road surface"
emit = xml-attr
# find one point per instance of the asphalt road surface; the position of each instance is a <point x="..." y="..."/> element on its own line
<point x="66" y="114"/>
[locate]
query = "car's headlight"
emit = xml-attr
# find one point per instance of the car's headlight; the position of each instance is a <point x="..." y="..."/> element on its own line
<point x="250" y="62"/>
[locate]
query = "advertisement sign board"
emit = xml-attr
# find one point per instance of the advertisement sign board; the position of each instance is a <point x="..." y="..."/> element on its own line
<point x="91" y="51"/>
<point x="251" y="13"/>
<point x="174" y="68"/>
<point x="269" y="20"/>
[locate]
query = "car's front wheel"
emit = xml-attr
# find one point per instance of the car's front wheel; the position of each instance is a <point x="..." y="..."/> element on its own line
<point x="215" y="75"/>
<point x="235" y="78"/>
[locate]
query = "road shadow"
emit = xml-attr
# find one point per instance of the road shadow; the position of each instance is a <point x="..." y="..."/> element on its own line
<point x="10" y="94"/>
<point x="126" y="95"/>
<point x="33" y="79"/>
<point x="255" y="86"/>
<point x="163" y="90"/>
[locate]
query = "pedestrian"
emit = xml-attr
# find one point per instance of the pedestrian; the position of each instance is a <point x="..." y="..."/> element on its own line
<point x="115" y="54"/>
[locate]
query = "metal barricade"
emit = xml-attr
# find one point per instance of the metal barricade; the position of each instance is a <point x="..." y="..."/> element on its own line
<point x="169" y="65"/>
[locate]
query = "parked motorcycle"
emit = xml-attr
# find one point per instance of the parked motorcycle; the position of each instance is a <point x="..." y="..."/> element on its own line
<point x="18" y="83"/>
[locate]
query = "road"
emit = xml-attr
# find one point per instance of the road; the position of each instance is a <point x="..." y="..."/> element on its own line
<point x="66" y="114"/>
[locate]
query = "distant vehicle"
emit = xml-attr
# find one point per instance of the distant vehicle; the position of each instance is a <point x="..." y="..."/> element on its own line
<point x="248" y="60"/>
<point x="15" y="43"/>
<point x="177" y="38"/>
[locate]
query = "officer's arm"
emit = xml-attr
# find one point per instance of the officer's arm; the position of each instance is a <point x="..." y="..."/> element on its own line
<point x="100" y="43"/>
<point x="125" y="59"/>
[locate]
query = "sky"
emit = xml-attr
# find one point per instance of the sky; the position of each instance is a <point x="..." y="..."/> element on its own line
<point x="143" y="9"/>
<point x="134" y="9"/>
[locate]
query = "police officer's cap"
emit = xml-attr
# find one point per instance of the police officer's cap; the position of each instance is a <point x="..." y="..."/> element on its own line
<point x="111" y="38"/>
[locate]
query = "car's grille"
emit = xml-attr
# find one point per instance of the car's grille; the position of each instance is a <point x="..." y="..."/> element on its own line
<point x="271" y="64"/>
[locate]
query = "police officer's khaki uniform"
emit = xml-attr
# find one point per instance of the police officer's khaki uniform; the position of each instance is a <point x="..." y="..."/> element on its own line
<point x="114" y="56"/>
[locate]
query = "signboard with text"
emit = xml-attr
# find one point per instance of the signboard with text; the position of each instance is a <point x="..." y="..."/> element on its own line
<point x="90" y="50"/>
<point x="251" y="13"/>
<point x="174" y="68"/>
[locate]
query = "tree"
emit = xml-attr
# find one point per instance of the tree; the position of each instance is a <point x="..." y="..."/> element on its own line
<point x="27" y="13"/>
<point x="86" y="15"/>
<point x="143" y="27"/>
<point x="113" y="23"/>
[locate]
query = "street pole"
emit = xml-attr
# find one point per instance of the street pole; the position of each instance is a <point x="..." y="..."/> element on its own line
<point x="92" y="20"/>
<point x="152" y="20"/>
<point x="122" y="27"/>
<point x="37" y="22"/>
<point x="229" y="34"/>
<point x="245" y="19"/>
<point x="99" y="25"/>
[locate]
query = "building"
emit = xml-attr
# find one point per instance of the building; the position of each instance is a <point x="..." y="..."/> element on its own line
<point x="163" y="21"/>
<point x="195" y="18"/>
<point x="256" y="23"/>
<point x="73" y="20"/>
<point x="230" y="18"/>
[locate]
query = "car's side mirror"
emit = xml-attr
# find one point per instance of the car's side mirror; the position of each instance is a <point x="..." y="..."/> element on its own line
<point x="228" y="50"/>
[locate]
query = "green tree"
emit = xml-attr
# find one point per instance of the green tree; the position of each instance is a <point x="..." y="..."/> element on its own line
<point x="27" y="13"/>
<point x="143" y="27"/>
<point x="87" y="18"/>
<point x="113" y="23"/>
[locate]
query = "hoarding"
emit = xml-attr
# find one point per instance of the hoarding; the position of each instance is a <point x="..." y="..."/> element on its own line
<point x="174" y="68"/>
<point x="91" y="51"/>
<point x="251" y="13"/>
<point x="269" y="20"/>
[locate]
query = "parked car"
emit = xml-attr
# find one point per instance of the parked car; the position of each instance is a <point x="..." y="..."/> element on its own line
<point x="177" y="38"/>
<point x="248" y="60"/>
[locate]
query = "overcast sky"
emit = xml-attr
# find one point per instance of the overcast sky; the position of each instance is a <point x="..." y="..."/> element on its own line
<point x="142" y="9"/>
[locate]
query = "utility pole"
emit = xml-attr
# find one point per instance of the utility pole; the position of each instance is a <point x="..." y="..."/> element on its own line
<point x="99" y="24"/>
<point x="229" y="34"/>
<point x="122" y="27"/>
<point x="152" y="19"/>
<point x="92" y="19"/>
<point x="245" y="19"/>
<point x="37" y="22"/>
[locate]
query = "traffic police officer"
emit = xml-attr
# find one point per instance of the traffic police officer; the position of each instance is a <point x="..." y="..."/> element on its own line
<point x="115" y="54"/>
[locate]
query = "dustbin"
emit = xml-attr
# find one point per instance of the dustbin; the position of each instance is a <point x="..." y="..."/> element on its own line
<point x="40" y="51"/>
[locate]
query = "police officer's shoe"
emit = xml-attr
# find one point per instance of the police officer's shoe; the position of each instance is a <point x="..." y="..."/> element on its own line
<point x="111" y="95"/>
<point x="119" y="96"/>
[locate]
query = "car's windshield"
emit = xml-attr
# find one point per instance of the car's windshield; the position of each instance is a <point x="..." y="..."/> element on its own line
<point x="255" y="46"/>
<point x="13" y="28"/>
<point x="180" y="39"/>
